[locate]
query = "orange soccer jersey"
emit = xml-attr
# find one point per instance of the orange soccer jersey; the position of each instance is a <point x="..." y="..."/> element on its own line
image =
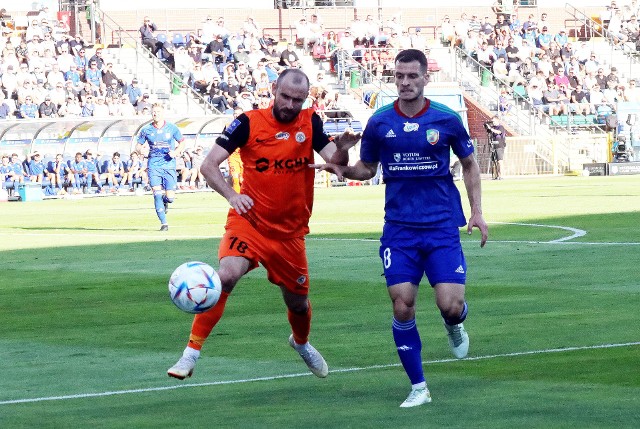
<point x="276" y="173"/>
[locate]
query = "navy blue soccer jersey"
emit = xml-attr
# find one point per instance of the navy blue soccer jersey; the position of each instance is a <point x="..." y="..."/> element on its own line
<point x="161" y="141"/>
<point x="415" y="153"/>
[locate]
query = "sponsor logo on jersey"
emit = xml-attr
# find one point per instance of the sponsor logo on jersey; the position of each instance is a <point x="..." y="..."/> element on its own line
<point x="397" y="157"/>
<point x="167" y="136"/>
<point x="433" y="136"/>
<point x="282" y="135"/>
<point x="281" y="166"/>
<point x="390" y="134"/>
<point x="408" y="127"/>
<point x="300" y="137"/>
<point x="232" y="126"/>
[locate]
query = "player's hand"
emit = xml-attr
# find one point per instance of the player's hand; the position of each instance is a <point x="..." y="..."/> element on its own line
<point x="336" y="169"/>
<point x="347" y="139"/>
<point x="241" y="203"/>
<point x="478" y="221"/>
<point x="172" y="153"/>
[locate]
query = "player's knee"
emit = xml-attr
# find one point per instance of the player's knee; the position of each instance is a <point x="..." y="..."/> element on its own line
<point x="158" y="192"/>
<point x="456" y="313"/>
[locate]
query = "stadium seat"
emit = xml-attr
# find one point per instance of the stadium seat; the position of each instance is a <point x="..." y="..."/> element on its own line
<point x="319" y="52"/>
<point x="178" y="40"/>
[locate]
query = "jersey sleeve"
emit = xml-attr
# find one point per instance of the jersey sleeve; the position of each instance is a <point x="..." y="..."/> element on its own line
<point x="235" y="134"/>
<point x="369" y="152"/>
<point x="177" y="135"/>
<point x="462" y="144"/>
<point x="319" y="139"/>
<point x="142" y="136"/>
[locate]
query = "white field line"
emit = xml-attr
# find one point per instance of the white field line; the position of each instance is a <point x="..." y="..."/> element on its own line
<point x="575" y="233"/>
<point x="305" y="374"/>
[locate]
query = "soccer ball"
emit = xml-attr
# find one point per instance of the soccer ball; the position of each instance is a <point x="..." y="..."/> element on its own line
<point x="194" y="287"/>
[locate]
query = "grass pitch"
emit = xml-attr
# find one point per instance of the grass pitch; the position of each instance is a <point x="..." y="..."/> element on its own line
<point x="88" y="331"/>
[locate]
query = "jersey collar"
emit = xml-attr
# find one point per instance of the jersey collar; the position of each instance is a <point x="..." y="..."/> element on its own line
<point x="421" y="112"/>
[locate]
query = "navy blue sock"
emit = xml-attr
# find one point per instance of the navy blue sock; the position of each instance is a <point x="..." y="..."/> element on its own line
<point x="407" y="339"/>
<point x="456" y="320"/>
<point x="159" y="205"/>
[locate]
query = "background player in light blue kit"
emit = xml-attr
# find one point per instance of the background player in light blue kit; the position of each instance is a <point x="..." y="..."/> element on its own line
<point x="161" y="142"/>
<point x="412" y="139"/>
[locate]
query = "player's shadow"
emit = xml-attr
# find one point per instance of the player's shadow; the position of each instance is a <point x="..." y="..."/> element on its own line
<point x="62" y="228"/>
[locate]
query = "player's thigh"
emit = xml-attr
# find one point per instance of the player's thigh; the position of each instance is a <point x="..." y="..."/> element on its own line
<point x="401" y="257"/>
<point x="286" y="264"/>
<point x="155" y="178"/>
<point x="170" y="179"/>
<point x="240" y="240"/>
<point x="445" y="262"/>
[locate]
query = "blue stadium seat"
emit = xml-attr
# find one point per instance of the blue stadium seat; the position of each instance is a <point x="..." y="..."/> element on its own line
<point x="178" y="40"/>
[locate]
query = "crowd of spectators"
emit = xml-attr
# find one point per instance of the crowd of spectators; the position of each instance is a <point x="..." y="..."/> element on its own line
<point x="540" y="62"/>
<point x="47" y="73"/>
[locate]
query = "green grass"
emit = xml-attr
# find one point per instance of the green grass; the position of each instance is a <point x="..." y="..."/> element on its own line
<point x="84" y="311"/>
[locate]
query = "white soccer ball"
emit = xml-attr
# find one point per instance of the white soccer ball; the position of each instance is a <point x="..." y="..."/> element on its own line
<point x="194" y="287"/>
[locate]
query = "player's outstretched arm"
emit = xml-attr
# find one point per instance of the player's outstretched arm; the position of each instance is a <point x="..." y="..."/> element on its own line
<point x="337" y="152"/>
<point x="359" y="171"/>
<point x="471" y="175"/>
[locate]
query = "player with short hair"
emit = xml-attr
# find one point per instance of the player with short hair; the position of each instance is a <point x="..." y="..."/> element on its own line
<point x="269" y="217"/>
<point x="412" y="139"/>
<point x="161" y="142"/>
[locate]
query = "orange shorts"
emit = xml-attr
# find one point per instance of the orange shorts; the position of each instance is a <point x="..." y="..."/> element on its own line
<point x="284" y="259"/>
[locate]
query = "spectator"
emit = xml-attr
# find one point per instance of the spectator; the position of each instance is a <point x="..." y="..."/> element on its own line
<point x="29" y="109"/>
<point x="580" y="101"/>
<point x="215" y="51"/>
<point x="82" y="62"/>
<point x="5" y="111"/>
<point x="245" y="101"/>
<point x="48" y="109"/>
<point x="73" y="76"/>
<point x="561" y="38"/>
<point x="632" y="94"/>
<point x="230" y="90"/>
<point x="216" y="96"/>
<point x="346" y="42"/>
<point x="71" y="109"/>
<point x="134" y="92"/>
<point x="220" y="29"/>
<point x="143" y="104"/>
<point x="88" y="106"/>
<point x="114" y="90"/>
<point x="148" y="36"/>
<point x="101" y="110"/>
<point x="500" y="69"/>
<point x="555" y="101"/>
<point x="596" y="98"/>
<point x="207" y="34"/>
<point x="613" y="76"/>
<point x="93" y="75"/>
<point x="447" y="31"/>
<point x="544" y="39"/>
<point x="240" y="55"/>
<point x="97" y="58"/>
<point x="76" y="45"/>
<point x="461" y="28"/>
<point x="126" y="108"/>
<point x="288" y="57"/>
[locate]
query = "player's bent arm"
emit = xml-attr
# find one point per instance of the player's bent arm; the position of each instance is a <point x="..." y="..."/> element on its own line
<point x="210" y="169"/>
<point x="359" y="171"/>
<point x="471" y="176"/>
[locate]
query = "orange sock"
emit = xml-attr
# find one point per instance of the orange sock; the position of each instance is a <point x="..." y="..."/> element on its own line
<point x="203" y="323"/>
<point x="300" y="325"/>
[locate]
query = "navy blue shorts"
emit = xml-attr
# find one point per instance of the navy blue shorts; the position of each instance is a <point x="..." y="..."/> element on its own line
<point x="167" y="177"/>
<point x="409" y="253"/>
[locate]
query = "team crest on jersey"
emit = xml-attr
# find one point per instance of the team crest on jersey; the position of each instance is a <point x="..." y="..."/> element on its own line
<point x="397" y="157"/>
<point x="433" y="136"/>
<point x="408" y="127"/>
<point x="300" y="137"/>
<point x="282" y="135"/>
<point x="232" y="126"/>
